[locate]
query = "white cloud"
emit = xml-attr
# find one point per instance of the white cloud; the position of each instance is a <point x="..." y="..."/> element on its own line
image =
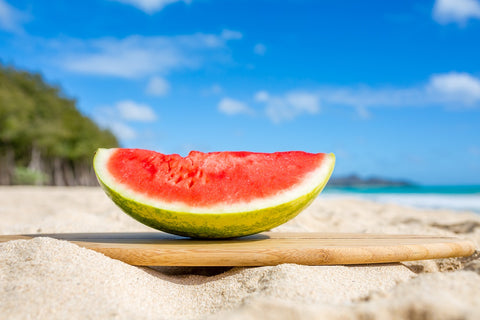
<point x="277" y="110"/>
<point x="133" y="111"/>
<point x="303" y="102"/>
<point x="361" y="97"/>
<point x="448" y="90"/>
<point x="11" y="19"/>
<point x="215" y="90"/>
<point x="261" y="96"/>
<point x="232" y="107"/>
<point x="260" y="49"/>
<point x="122" y="131"/>
<point x="231" y="34"/>
<point x="458" y="11"/>
<point x="121" y="117"/>
<point x="108" y="117"/>
<point x="138" y="56"/>
<point x="455" y="88"/>
<point x="158" y="86"/>
<point x="150" y="6"/>
<point x="289" y="105"/>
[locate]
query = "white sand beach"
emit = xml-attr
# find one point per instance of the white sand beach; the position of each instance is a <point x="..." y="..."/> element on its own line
<point x="46" y="278"/>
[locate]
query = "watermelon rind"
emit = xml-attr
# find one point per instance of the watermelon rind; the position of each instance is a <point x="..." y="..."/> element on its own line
<point x="214" y="222"/>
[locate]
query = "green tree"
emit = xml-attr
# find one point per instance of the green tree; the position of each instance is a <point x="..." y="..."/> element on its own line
<point x="42" y="131"/>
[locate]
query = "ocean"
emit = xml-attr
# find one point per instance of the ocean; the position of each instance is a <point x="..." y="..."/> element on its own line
<point x="434" y="197"/>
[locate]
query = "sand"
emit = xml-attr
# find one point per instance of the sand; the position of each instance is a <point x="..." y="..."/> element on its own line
<point x="46" y="278"/>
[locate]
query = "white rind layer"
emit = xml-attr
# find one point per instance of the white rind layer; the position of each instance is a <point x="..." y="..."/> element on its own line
<point x="311" y="182"/>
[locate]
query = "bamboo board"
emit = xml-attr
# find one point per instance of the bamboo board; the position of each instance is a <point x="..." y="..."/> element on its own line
<point x="265" y="249"/>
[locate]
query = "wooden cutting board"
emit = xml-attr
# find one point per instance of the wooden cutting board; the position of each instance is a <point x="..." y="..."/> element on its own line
<point x="265" y="249"/>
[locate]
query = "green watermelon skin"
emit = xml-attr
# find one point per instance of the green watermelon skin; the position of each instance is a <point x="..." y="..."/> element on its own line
<point x="214" y="225"/>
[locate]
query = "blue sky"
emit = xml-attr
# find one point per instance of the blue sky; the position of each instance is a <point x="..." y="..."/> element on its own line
<point x="391" y="87"/>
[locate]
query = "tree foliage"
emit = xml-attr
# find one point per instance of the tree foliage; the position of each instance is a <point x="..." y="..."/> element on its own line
<point x="41" y="129"/>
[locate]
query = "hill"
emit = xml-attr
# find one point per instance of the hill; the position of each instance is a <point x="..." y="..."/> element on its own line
<point x="44" y="139"/>
<point x="370" y="182"/>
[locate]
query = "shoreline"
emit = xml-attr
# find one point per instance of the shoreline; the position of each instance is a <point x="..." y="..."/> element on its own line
<point x="457" y="198"/>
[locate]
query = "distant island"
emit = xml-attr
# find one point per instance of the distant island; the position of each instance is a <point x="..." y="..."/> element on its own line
<point x="356" y="181"/>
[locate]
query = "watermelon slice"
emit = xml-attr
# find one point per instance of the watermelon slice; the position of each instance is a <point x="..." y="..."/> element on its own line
<point x="212" y="195"/>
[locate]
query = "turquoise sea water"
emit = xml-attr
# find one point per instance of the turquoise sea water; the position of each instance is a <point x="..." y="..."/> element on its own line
<point x="435" y="197"/>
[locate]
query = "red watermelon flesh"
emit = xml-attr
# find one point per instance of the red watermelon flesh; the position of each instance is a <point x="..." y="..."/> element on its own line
<point x="207" y="179"/>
